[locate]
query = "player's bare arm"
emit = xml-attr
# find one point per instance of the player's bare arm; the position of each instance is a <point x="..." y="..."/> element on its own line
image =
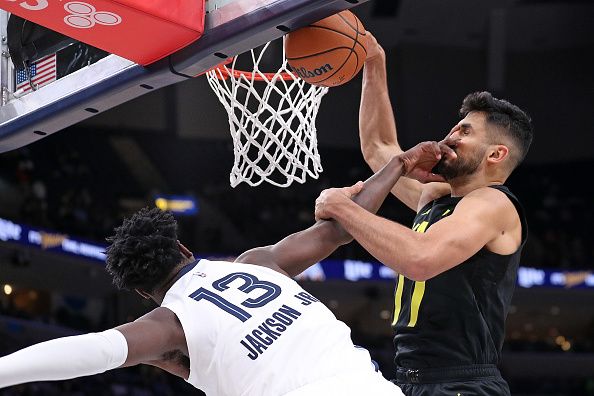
<point x="378" y="133"/>
<point x="485" y="218"/>
<point x="301" y="250"/>
<point x="158" y="339"/>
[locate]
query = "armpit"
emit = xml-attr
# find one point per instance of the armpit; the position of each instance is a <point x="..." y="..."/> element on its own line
<point x="174" y="362"/>
<point x="177" y="357"/>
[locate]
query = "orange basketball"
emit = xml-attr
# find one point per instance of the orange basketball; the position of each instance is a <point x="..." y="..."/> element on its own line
<point x="329" y="52"/>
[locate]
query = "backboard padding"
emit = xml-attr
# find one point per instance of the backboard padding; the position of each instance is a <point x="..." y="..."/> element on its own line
<point x="234" y="28"/>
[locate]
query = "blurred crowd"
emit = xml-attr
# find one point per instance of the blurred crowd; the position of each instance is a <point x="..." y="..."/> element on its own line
<point x="136" y="381"/>
<point x="75" y="183"/>
<point x="58" y="192"/>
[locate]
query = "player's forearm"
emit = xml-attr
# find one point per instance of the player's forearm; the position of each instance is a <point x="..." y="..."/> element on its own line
<point x="64" y="358"/>
<point x="392" y="244"/>
<point x="377" y="126"/>
<point x="378" y="186"/>
<point x="371" y="197"/>
<point x="299" y="251"/>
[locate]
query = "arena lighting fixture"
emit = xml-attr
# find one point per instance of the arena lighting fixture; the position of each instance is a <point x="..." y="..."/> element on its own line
<point x="7" y="289"/>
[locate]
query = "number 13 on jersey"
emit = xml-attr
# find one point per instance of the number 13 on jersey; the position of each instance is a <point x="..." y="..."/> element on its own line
<point x="250" y="283"/>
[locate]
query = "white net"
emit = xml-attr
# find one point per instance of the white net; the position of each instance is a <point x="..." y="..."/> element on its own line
<point x="272" y="122"/>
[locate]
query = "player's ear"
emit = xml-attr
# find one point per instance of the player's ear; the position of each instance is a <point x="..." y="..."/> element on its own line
<point x="497" y="154"/>
<point x="184" y="250"/>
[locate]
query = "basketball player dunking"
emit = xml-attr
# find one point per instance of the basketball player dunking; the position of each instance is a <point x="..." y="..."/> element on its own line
<point x="228" y="328"/>
<point x="457" y="267"/>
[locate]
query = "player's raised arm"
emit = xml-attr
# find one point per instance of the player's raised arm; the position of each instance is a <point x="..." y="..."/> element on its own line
<point x="377" y="125"/>
<point x="301" y="250"/>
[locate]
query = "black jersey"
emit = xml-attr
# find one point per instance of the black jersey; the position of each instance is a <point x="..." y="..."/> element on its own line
<point x="458" y="317"/>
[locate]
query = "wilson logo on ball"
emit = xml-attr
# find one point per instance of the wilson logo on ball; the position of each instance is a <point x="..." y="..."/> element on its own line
<point x="302" y="72"/>
<point x="338" y="40"/>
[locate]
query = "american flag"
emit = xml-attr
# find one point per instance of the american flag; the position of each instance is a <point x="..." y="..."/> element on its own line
<point x="43" y="72"/>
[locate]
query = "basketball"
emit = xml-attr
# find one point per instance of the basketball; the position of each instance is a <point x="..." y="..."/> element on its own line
<point x="329" y="52"/>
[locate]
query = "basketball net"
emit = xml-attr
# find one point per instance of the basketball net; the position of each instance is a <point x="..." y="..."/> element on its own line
<point x="272" y="122"/>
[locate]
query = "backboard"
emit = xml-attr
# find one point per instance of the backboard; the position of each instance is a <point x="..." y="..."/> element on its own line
<point x="231" y="27"/>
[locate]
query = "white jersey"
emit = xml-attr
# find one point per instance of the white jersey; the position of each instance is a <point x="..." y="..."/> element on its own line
<point x="253" y="331"/>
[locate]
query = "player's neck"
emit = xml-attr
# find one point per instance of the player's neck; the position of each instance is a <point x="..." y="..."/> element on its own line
<point x="464" y="185"/>
<point x="159" y="295"/>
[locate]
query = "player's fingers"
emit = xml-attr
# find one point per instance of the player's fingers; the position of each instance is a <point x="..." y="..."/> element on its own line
<point x="436" y="150"/>
<point x="450" y="140"/>
<point x="446" y="149"/>
<point x="355" y="189"/>
<point x="320" y="214"/>
<point x="429" y="147"/>
<point x="451" y="132"/>
<point x="317" y="211"/>
<point x="322" y="196"/>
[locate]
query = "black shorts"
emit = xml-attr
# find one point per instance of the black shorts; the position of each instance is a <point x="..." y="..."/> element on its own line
<point x="479" y="380"/>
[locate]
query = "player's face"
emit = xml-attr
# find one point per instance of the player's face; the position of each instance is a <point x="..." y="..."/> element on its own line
<point x="471" y="147"/>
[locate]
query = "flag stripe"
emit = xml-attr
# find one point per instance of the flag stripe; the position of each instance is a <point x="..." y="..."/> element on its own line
<point x="47" y="66"/>
<point x="41" y="83"/>
<point x="41" y="76"/>
<point x="47" y="63"/>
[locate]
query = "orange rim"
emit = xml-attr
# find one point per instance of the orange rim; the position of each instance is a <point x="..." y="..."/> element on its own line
<point x="225" y="72"/>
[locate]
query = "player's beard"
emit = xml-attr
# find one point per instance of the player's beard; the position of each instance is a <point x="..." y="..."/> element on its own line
<point x="451" y="169"/>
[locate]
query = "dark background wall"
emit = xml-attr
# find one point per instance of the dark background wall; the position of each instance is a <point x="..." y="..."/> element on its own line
<point x="538" y="55"/>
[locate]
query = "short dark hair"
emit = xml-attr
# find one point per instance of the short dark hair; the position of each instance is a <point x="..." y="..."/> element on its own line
<point x="144" y="250"/>
<point x="514" y="122"/>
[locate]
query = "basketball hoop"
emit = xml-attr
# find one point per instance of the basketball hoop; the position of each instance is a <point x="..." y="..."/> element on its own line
<point x="272" y="121"/>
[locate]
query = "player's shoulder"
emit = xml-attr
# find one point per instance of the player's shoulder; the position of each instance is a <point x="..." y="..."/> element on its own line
<point x="159" y="315"/>
<point x="490" y="201"/>
<point x="488" y="194"/>
<point x="162" y="319"/>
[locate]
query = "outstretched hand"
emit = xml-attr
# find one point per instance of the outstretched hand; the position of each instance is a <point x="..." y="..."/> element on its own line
<point x="330" y="198"/>
<point x="420" y="160"/>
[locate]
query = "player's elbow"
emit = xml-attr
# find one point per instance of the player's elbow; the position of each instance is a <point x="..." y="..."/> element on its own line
<point x="420" y="274"/>
<point x="419" y="268"/>
<point x="370" y="151"/>
<point x="377" y="154"/>
<point x="429" y="260"/>
<point x="414" y="265"/>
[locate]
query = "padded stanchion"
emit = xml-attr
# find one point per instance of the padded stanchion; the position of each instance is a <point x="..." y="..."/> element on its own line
<point x="140" y="30"/>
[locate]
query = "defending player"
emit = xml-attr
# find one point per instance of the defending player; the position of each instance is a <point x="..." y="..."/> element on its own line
<point x="227" y="328"/>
